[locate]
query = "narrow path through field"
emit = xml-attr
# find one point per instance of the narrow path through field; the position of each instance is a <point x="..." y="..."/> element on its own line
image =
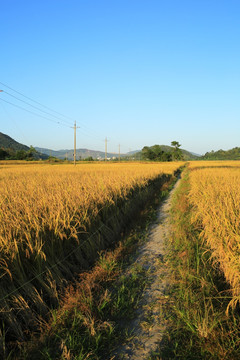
<point x="149" y="324"/>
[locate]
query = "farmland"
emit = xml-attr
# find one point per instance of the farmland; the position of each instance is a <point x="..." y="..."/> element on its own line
<point x="54" y="221"/>
<point x="204" y="258"/>
<point x="215" y="198"/>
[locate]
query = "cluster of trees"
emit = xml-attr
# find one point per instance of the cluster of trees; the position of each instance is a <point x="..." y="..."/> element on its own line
<point x="10" y="154"/>
<point x="155" y="153"/>
<point x="232" y="154"/>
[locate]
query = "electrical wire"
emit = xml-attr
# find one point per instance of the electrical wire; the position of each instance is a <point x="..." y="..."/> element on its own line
<point x="46" y="107"/>
<point x="37" y="108"/>
<point x="88" y="132"/>
<point x="27" y="141"/>
<point x="31" y="112"/>
<point x="82" y="125"/>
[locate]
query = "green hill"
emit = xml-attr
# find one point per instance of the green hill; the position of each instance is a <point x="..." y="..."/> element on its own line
<point x="6" y="142"/>
<point x="13" y="150"/>
<point x="187" y="155"/>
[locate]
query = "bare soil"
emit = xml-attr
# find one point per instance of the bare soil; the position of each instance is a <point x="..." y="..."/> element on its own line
<point x="147" y="328"/>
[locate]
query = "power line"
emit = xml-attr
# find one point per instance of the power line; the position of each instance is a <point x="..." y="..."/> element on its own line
<point x="54" y="121"/>
<point x="37" y="108"/>
<point x="31" y="112"/>
<point x="94" y="133"/>
<point x="16" y="125"/>
<point x="46" y="107"/>
<point x="90" y="132"/>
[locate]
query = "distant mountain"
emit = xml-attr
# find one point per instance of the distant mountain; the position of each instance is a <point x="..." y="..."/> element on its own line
<point x="6" y="142"/>
<point x="132" y="152"/>
<point x="100" y="155"/>
<point x="197" y="155"/>
<point x="80" y="154"/>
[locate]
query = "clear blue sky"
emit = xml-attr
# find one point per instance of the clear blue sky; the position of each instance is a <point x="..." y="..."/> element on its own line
<point x="141" y="72"/>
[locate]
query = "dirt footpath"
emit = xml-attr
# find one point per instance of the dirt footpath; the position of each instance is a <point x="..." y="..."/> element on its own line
<point x="149" y="324"/>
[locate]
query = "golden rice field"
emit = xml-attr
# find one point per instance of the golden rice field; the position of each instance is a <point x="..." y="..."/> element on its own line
<point x="62" y="199"/>
<point x="55" y="218"/>
<point x="47" y="214"/>
<point x="213" y="163"/>
<point x="215" y="198"/>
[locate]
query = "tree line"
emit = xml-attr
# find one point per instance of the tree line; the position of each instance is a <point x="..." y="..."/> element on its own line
<point x="11" y="154"/>
<point x="232" y="154"/>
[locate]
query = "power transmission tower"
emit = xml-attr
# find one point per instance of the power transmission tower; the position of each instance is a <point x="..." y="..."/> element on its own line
<point x="75" y="127"/>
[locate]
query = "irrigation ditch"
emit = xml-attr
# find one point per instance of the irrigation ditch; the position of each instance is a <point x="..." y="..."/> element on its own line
<point x="28" y="303"/>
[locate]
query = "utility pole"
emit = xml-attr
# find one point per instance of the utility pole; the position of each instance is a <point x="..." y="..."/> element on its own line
<point x="75" y="127"/>
<point x="119" y="152"/>
<point x="75" y="131"/>
<point x="106" y="148"/>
